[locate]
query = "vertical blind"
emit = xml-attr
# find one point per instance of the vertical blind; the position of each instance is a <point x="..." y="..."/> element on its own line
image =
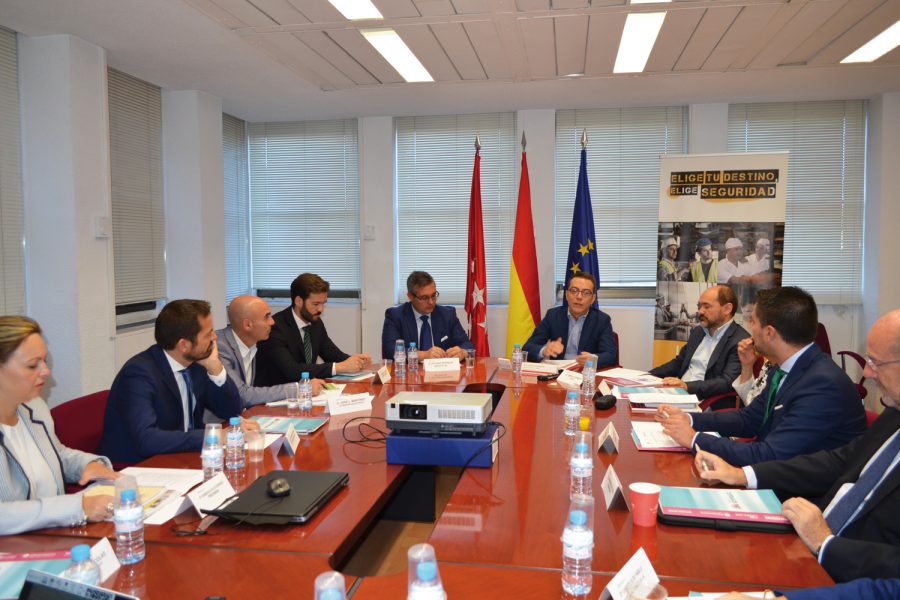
<point x="12" y="261"/>
<point x="435" y="158"/>
<point x="624" y="146"/>
<point x="304" y="202"/>
<point x="823" y="246"/>
<point x="237" y="207"/>
<point x="135" y="132"/>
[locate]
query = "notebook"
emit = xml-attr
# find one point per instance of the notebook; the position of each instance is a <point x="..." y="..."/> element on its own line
<point x="310" y="490"/>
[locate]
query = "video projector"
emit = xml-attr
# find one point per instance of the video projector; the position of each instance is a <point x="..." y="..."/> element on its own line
<point x="439" y="412"/>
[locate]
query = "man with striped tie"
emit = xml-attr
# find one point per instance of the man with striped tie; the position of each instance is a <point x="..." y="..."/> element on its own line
<point x="852" y="526"/>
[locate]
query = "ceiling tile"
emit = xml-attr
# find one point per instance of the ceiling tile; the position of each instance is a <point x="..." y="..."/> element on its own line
<point x="325" y="47"/>
<point x="318" y="11"/>
<point x="850" y="13"/>
<point x="425" y="46"/>
<point x="742" y="33"/>
<point x="217" y="13"/>
<point x="810" y="18"/>
<point x="706" y="36"/>
<point x="281" y="11"/>
<point x="537" y="34"/>
<point x="675" y="34"/>
<point x="532" y="5"/>
<point x="868" y="27"/>
<point x="563" y="4"/>
<point x="484" y="38"/>
<point x="571" y="43"/>
<point x="471" y="7"/>
<point x="301" y="59"/>
<point x="396" y="9"/>
<point x="365" y="54"/>
<point x="766" y="34"/>
<point x="456" y="44"/>
<point x="246" y="12"/>
<point x="435" y="8"/>
<point x="604" y="34"/>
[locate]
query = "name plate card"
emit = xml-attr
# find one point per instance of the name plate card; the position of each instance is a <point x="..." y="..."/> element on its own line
<point x="384" y="374"/>
<point x="291" y="440"/>
<point x="635" y="580"/>
<point x="570" y="380"/>
<point x="211" y="494"/>
<point x="612" y="490"/>
<point x="536" y="368"/>
<point x="504" y="363"/>
<point x="103" y="554"/>
<point x="441" y="365"/>
<point x="339" y="405"/>
<point x="609" y="438"/>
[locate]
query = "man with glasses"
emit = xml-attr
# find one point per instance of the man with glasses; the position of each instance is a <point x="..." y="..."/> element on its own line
<point x="575" y="331"/>
<point x="709" y="362"/>
<point x="299" y="339"/>
<point x="435" y="329"/>
<point x="844" y="502"/>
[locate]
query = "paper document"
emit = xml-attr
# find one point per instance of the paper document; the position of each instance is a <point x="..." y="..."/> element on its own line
<point x="624" y="391"/>
<point x="541" y="368"/>
<point x="561" y="364"/>
<point x="357" y="376"/>
<point x="621" y="376"/>
<point x="657" y="398"/>
<point x="648" y="435"/>
<point x="712" y="595"/>
<point x="180" y="480"/>
<point x="303" y="425"/>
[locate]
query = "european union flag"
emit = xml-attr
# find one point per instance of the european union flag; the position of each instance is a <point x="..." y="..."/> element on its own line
<point x="582" y="243"/>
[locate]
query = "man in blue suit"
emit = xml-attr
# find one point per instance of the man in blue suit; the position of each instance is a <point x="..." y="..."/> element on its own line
<point x="575" y="331"/>
<point x="434" y="328"/>
<point x="157" y="400"/>
<point x="708" y="364"/>
<point x="808" y="404"/>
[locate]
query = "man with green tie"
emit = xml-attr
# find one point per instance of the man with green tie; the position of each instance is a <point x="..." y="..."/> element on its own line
<point x="808" y="403"/>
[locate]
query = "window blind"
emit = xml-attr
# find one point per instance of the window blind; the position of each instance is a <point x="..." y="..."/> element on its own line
<point x="435" y="158"/>
<point x="237" y="207"/>
<point x="624" y="146"/>
<point x="304" y="202"/>
<point x="823" y="249"/>
<point x="12" y="260"/>
<point x="135" y="130"/>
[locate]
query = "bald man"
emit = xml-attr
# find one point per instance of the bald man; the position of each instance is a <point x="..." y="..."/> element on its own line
<point x="250" y="321"/>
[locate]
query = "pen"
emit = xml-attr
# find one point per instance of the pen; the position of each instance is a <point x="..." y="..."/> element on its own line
<point x="703" y="465"/>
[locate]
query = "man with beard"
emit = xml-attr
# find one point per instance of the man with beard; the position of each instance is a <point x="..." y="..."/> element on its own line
<point x="298" y="339"/>
<point x="708" y="363"/>
<point x="843" y="503"/>
<point x="808" y="403"/>
<point x="157" y="400"/>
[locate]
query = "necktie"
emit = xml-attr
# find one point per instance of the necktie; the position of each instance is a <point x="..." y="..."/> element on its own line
<point x="777" y="376"/>
<point x="307" y="345"/>
<point x="425" y="334"/>
<point x="192" y="400"/>
<point x="845" y="508"/>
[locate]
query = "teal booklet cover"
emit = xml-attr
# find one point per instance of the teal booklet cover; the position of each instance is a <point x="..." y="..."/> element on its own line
<point x="760" y="506"/>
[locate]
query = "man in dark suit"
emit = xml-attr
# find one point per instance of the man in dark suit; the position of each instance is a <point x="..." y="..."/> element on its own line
<point x="157" y="400"/>
<point x="250" y="322"/>
<point x="298" y="339"/>
<point x="709" y="362"/>
<point x="851" y="524"/>
<point x="808" y="404"/>
<point x="575" y="331"/>
<point x="435" y="329"/>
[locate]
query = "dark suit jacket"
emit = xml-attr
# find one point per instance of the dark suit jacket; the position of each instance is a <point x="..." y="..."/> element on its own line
<point x="870" y="545"/>
<point x="144" y="414"/>
<point x="400" y="324"/>
<point x="870" y="589"/>
<point x="596" y="335"/>
<point x="816" y="408"/>
<point x="723" y="367"/>
<point x="280" y="359"/>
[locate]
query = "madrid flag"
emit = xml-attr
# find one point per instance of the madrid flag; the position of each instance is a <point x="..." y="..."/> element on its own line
<point x="476" y="280"/>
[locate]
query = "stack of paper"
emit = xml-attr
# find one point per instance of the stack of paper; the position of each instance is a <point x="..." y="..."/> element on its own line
<point x="648" y="399"/>
<point x="630" y="377"/>
<point x="536" y="368"/>
<point x="175" y="482"/>
<point x="648" y="435"/>
<point x="561" y="364"/>
<point x="302" y="425"/>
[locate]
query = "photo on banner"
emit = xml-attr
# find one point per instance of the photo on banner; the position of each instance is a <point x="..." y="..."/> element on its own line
<point x="721" y="221"/>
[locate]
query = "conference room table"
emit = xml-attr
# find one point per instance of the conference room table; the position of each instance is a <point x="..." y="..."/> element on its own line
<point x="503" y="521"/>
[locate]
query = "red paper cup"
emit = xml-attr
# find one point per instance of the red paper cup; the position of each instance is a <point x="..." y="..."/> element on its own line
<point x="644" y="500"/>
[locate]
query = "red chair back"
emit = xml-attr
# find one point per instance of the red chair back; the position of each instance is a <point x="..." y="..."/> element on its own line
<point x="79" y="422"/>
<point x="871" y="415"/>
<point x="822" y="339"/>
<point x="616" y="340"/>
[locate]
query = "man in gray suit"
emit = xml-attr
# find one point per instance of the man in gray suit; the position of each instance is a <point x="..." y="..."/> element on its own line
<point x="250" y="321"/>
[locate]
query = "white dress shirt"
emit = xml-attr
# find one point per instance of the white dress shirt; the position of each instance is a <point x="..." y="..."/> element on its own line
<point x="700" y="360"/>
<point x="177" y="368"/>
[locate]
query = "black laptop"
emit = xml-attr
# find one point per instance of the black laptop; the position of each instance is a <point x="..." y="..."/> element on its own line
<point x="44" y="586"/>
<point x="310" y="490"/>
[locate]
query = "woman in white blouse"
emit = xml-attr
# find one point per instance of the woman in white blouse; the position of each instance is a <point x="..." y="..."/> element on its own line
<point x="34" y="465"/>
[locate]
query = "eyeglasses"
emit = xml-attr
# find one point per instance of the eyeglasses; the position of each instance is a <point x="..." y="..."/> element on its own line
<point x="576" y="292"/>
<point x="876" y="364"/>
<point x="432" y="297"/>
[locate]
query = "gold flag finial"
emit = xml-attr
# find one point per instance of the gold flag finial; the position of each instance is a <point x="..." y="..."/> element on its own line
<point x="584" y="138"/>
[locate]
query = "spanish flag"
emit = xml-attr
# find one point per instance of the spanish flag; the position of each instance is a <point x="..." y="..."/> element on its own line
<point x="524" y="291"/>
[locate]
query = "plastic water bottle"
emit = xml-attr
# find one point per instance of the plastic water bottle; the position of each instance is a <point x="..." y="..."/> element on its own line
<point x="589" y="379"/>
<point x="305" y="394"/>
<point x="399" y="358"/>
<point x="212" y="456"/>
<point x="234" y="445"/>
<point x="412" y="358"/>
<point x="571" y="412"/>
<point x="581" y="466"/>
<point x="517" y="359"/>
<point x="129" y="518"/>
<point x="578" y="547"/>
<point x="82" y="569"/>
<point x="424" y="579"/>
<point x="293" y="400"/>
<point x="330" y="586"/>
